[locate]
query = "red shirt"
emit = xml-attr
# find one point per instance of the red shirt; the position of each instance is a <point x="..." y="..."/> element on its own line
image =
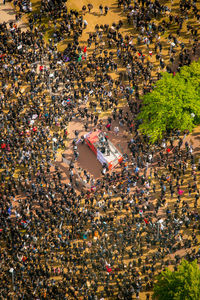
<point x="108" y="269"/>
<point x="3" y="146"/>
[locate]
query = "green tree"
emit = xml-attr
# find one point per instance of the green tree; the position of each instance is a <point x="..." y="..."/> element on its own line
<point x="183" y="284"/>
<point x="172" y="103"/>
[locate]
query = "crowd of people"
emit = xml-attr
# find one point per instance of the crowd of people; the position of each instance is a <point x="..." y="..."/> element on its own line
<point x="59" y="239"/>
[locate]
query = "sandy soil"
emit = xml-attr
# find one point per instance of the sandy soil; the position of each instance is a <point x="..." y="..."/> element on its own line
<point x="87" y="159"/>
<point x="7" y="14"/>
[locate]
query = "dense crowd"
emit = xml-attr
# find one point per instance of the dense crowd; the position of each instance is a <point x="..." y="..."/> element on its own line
<point x="59" y="239"/>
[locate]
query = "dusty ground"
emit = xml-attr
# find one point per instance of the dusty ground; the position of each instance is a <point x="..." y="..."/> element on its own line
<point x="87" y="159"/>
<point x="7" y="14"/>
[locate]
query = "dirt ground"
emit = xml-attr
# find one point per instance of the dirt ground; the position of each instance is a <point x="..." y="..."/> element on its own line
<point x="87" y="159"/>
<point x="7" y="14"/>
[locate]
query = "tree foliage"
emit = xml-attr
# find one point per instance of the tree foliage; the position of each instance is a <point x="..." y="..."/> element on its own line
<point x="170" y="105"/>
<point x="183" y="284"/>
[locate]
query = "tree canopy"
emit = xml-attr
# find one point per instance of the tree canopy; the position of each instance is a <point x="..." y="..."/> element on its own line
<point x="173" y="104"/>
<point x="183" y="284"/>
